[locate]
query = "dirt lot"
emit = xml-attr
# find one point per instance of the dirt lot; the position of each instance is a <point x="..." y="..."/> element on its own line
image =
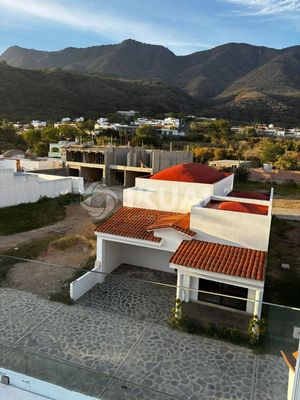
<point x="72" y="248"/>
<point x="286" y="208"/>
<point x="283" y="286"/>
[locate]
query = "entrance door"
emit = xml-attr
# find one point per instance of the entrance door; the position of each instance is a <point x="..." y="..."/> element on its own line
<point x="222" y="288"/>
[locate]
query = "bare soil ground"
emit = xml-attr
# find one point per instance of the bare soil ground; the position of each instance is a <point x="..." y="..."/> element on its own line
<point x="77" y="220"/>
<point x="62" y="258"/>
<point x="286" y="208"/>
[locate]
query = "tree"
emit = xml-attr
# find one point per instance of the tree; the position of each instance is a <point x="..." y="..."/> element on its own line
<point x="219" y="154"/>
<point x="68" y="132"/>
<point x="271" y="151"/>
<point x="146" y="134"/>
<point x="203" y="154"/>
<point x="33" y="138"/>
<point x="50" y="134"/>
<point x="288" y="161"/>
<point x="9" y="139"/>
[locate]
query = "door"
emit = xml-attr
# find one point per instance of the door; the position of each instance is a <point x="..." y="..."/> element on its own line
<point x="222" y="288"/>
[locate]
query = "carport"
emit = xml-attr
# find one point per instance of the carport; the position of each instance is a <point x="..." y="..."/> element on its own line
<point x="116" y="253"/>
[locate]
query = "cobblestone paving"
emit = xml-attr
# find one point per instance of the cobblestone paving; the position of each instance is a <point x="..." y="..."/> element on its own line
<point x="100" y="342"/>
<point x="137" y="300"/>
<point x="129" y="297"/>
<point x="190" y="367"/>
<point x="270" y="382"/>
<point x="116" y="357"/>
<point x="20" y="312"/>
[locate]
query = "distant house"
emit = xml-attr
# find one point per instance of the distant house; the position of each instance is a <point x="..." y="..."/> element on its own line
<point x="171" y="132"/>
<point x="187" y="220"/>
<point x="130" y="113"/>
<point x="65" y="120"/>
<point x="57" y="150"/>
<point x="232" y="164"/>
<point x="38" y="124"/>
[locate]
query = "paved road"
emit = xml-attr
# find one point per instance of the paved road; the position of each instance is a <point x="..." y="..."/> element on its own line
<point x="117" y="355"/>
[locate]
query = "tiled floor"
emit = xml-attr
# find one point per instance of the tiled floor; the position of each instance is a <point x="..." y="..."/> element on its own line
<point x="114" y="344"/>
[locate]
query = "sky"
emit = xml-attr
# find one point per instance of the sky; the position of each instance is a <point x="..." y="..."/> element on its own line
<point x="184" y="26"/>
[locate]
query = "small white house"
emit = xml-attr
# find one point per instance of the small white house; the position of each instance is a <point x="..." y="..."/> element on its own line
<point x="38" y="124"/>
<point x="187" y="220"/>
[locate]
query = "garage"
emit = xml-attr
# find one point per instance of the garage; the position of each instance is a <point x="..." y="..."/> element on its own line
<point x="115" y="253"/>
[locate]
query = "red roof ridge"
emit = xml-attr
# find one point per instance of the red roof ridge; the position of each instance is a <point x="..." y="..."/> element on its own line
<point x="179" y="222"/>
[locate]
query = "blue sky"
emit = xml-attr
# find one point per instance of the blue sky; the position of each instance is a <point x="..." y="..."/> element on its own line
<point x="184" y="26"/>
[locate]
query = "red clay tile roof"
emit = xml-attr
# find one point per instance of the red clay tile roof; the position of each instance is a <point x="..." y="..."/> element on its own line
<point x="190" y="172"/>
<point x="179" y="222"/>
<point x="238" y="207"/>
<point x="222" y="259"/>
<point x="250" y="195"/>
<point x="136" y="223"/>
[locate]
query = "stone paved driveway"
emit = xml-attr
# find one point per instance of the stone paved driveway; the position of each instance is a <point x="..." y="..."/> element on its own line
<point x="126" y="355"/>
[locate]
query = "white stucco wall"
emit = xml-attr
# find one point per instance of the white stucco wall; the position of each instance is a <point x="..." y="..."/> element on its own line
<point x="231" y="228"/>
<point x="223" y="187"/>
<point x="172" y="196"/>
<point x="34" y="165"/>
<point x="111" y="255"/>
<point x="28" y="385"/>
<point x="54" y="188"/>
<point x="8" y="164"/>
<point x="83" y="284"/>
<point x="17" y="188"/>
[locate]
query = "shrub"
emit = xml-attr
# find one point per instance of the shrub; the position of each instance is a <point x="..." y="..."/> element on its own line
<point x="179" y="321"/>
<point x="222" y="332"/>
<point x="241" y="174"/>
<point x="256" y="330"/>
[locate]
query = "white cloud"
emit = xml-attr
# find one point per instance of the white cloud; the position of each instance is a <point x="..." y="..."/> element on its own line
<point x="268" y="7"/>
<point x="106" y="25"/>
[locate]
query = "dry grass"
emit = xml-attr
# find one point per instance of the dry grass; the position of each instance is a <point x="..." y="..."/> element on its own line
<point x="71" y="240"/>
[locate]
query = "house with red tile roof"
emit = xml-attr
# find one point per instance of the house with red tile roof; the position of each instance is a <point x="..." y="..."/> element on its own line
<point x="187" y="220"/>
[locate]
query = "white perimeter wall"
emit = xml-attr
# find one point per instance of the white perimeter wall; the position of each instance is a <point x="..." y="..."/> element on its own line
<point x="231" y="228"/>
<point x="83" y="284"/>
<point x="18" y="189"/>
<point x="172" y="196"/>
<point x="8" y="164"/>
<point x="165" y="195"/>
<point x="29" y="188"/>
<point x="223" y="187"/>
<point x="32" y="165"/>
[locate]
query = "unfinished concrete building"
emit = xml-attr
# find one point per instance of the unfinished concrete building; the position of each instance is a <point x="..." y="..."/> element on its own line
<point x="119" y="165"/>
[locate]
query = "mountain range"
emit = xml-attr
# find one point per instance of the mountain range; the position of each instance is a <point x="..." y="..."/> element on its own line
<point x="236" y="81"/>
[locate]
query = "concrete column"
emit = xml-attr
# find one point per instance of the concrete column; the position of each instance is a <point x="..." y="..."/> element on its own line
<point x="250" y="304"/>
<point x="258" y="303"/>
<point x="186" y="286"/>
<point x="179" y="291"/>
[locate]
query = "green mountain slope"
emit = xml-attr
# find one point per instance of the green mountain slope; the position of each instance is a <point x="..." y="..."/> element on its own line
<point x="52" y="94"/>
